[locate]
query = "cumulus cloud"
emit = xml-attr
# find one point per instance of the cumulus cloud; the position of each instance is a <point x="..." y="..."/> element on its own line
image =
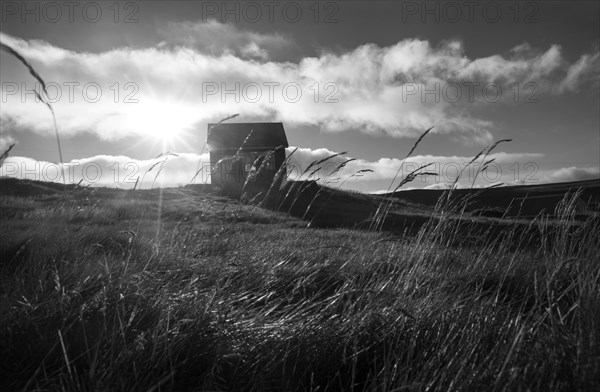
<point x="217" y="38"/>
<point x="583" y="73"/>
<point x="114" y="171"/>
<point x="567" y="174"/>
<point x="507" y="168"/>
<point x="179" y="169"/>
<point x="128" y="92"/>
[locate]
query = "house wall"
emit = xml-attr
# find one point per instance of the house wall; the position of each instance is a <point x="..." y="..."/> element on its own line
<point x="248" y="157"/>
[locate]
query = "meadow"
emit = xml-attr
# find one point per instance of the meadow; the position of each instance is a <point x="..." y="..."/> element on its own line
<point x="184" y="289"/>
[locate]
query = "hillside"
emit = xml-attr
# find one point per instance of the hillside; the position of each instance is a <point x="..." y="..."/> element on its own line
<point x="183" y="290"/>
<point x="518" y="200"/>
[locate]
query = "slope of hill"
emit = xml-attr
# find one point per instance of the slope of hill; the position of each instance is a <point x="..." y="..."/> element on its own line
<point x="519" y="200"/>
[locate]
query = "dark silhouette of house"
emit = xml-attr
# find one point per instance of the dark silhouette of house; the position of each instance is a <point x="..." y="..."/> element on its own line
<point x="248" y="141"/>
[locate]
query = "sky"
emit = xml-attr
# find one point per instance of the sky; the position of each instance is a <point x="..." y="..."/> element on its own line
<point x="131" y="81"/>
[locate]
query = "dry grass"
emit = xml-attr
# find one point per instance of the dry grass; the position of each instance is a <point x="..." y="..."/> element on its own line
<point x="37" y="76"/>
<point x="161" y="290"/>
<point x="229" y="297"/>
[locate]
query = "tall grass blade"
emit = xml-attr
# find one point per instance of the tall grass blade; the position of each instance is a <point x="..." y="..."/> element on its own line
<point x="5" y="154"/>
<point x="37" y="76"/>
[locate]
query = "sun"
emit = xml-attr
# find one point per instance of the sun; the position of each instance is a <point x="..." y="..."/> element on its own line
<point x="158" y="127"/>
<point x="162" y="124"/>
<point x="161" y="134"/>
<point x="167" y="138"/>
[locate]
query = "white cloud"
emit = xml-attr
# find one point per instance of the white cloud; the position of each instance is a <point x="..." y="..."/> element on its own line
<point x="123" y="172"/>
<point x="371" y="88"/>
<point x="114" y="171"/>
<point x="522" y="65"/>
<point x="217" y="38"/>
<point x="503" y="169"/>
<point x="179" y="169"/>
<point x="585" y="72"/>
<point x="252" y="50"/>
<point x="567" y="174"/>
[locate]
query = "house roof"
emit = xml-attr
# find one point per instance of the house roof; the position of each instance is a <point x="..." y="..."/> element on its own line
<point x="230" y="136"/>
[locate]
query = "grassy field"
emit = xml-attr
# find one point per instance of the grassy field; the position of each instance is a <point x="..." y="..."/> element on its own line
<point x="183" y="289"/>
<point x="517" y="200"/>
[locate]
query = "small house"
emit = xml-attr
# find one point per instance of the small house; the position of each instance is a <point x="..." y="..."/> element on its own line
<point x="247" y="142"/>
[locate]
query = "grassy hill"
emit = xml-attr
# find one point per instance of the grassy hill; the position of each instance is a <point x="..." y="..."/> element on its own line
<point x="184" y="289"/>
<point x="516" y="201"/>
